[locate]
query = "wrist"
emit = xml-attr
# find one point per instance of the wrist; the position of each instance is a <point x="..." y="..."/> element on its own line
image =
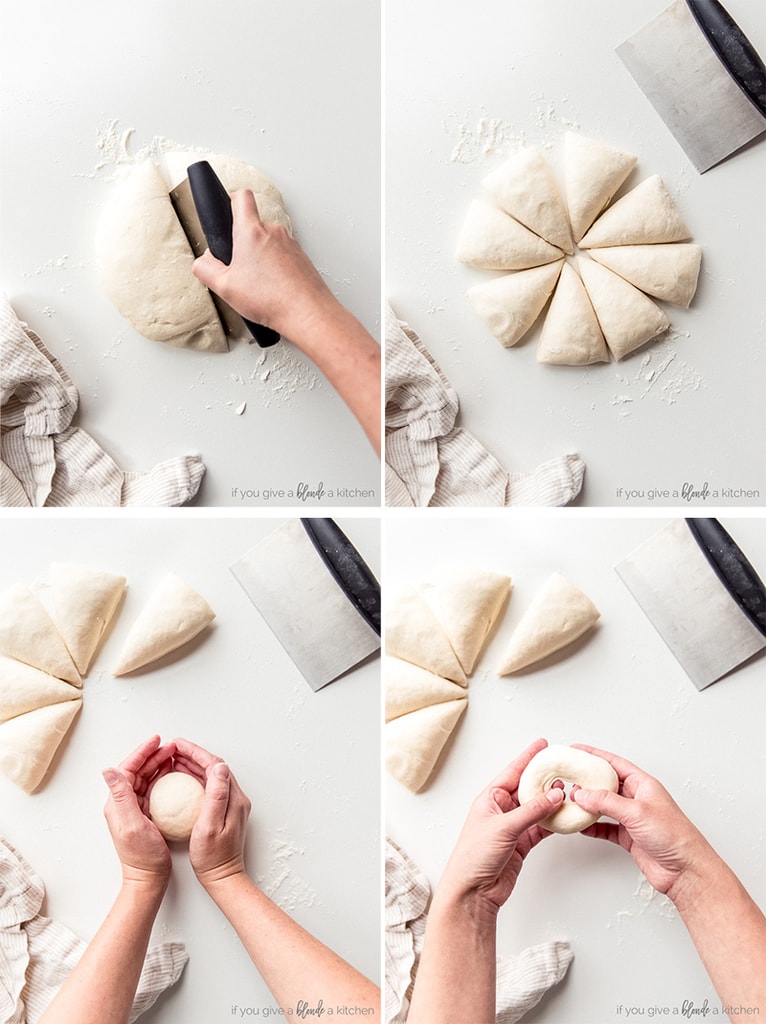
<point x="469" y="906"/>
<point x="145" y="885"/>
<point x="696" y="879"/>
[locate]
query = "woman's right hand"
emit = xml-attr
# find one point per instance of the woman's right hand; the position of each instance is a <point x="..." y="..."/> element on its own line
<point x="651" y="826"/>
<point x="217" y="843"/>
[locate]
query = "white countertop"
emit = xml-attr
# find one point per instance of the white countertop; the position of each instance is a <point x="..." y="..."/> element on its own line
<point x="292" y="88"/>
<point x="466" y="86"/>
<point x="618" y="688"/>
<point x="308" y="761"/>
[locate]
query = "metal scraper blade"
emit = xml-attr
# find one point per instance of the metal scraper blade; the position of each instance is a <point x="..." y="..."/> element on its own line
<point x="691" y="90"/>
<point x="675" y="585"/>
<point x="183" y="204"/>
<point x="308" y="612"/>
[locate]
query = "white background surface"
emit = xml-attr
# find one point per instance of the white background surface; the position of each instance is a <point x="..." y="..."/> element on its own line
<point x="469" y="84"/>
<point x="308" y="761"/>
<point x="293" y="88"/>
<point x="618" y="688"/>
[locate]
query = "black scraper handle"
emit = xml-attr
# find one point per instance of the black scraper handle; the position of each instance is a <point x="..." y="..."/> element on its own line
<point x="348" y="568"/>
<point x="213" y="207"/>
<point x="733" y="48"/>
<point x="732" y="569"/>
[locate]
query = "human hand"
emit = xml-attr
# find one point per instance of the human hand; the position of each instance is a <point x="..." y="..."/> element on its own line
<point x="143" y="852"/>
<point x="497" y="835"/>
<point x="216" y="846"/>
<point x="270" y="279"/>
<point x="662" y="841"/>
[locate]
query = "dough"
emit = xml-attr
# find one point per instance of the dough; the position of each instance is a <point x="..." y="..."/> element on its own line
<point x="145" y="260"/>
<point x="524" y="187"/>
<point x="28" y="634"/>
<point x="23" y="689"/>
<point x="29" y="742"/>
<point x="174" y="805"/>
<point x="466" y="600"/>
<point x="569" y="765"/>
<point x="592" y="173"/>
<point x="646" y="216"/>
<point x="627" y="317"/>
<point x="559" y="614"/>
<point x="669" y="272"/>
<point x="174" y="614"/>
<point x="571" y="334"/>
<point x="492" y="240"/>
<point x="413" y="742"/>
<point x="84" y="601"/>
<point x="409" y="687"/>
<point x="510" y="304"/>
<point x="412" y="632"/>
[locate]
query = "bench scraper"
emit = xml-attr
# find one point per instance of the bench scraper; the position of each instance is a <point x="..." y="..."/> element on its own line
<point x="701" y="595"/>
<point x="316" y="594"/>
<point x="703" y="77"/>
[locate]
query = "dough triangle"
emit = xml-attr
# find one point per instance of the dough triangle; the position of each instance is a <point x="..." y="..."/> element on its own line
<point x="627" y="317"/>
<point x="558" y="614"/>
<point x="466" y="601"/>
<point x="414" y="742"/>
<point x="28" y="633"/>
<point x="409" y="687"/>
<point x="174" y="614"/>
<point x="646" y="216"/>
<point x="413" y="633"/>
<point x="668" y="271"/>
<point x="84" y="601"/>
<point x="571" y="334"/>
<point x="524" y="187"/>
<point x="510" y="304"/>
<point x="23" y="689"/>
<point x="592" y="174"/>
<point x="491" y="240"/>
<point x="29" y="742"/>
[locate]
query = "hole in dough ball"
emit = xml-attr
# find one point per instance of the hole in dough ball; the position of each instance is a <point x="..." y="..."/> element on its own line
<point x="174" y="805"/>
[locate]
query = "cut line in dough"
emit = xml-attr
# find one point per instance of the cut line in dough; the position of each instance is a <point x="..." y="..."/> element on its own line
<point x="84" y="602"/>
<point x="414" y="742"/>
<point x="409" y="688"/>
<point x="647" y="215"/>
<point x="29" y="634"/>
<point x="413" y="633"/>
<point x="23" y="689"/>
<point x="493" y="240"/>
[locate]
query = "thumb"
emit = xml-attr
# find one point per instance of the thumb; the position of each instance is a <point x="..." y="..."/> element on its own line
<point x="603" y="801"/>
<point x="531" y="813"/>
<point x="122" y="795"/>
<point x="208" y="270"/>
<point x="212" y="817"/>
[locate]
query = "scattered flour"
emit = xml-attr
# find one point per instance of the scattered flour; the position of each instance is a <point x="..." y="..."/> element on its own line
<point x="478" y="136"/>
<point x="279" y="884"/>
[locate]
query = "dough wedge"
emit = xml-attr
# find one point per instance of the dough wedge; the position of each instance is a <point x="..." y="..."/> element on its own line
<point x="28" y="743"/>
<point x="509" y="305"/>
<point x="524" y="187"/>
<point x="414" y="742"/>
<point x="627" y="317"/>
<point x="413" y="633"/>
<point x="571" y="334"/>
<point x="667" y="271"/>
<point x="28" y="633"/>
<point x="492" y="240"/>
<point x="84" y="601"/>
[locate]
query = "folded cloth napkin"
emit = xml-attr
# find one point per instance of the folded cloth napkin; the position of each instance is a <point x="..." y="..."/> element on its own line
<point x="44" y="460"/>
<point x="522" y="980"/>
<point x="430" y="461"/>
<point x="38" y="954"/>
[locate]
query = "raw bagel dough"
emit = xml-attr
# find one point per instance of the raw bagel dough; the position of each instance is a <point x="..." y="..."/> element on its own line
<point x="593" y="172"/>
<point x="510" y="304"/>
<point x="571" y="335"/>
<point x="409" y="687"/>
<point x="145" y="260"/>
<point x="466" y="600"/>
<point x="84" y="601"/>
<point x="174" y="614"/>
<point x="23" y="689"/>
<point x="627" y="317"/>
<point x="493" y="240"/>
<point x="646" y="216"/>
<point x="567" y="764"/>
<point x="414" y="634"/>
<point x="524" y="187"/>
<point x="29" y="742"/>
<point x="414" y="741"/>
<point x="668" y="271"/>
<point x="174" y="805"/>
<point x="557" y="616"/>
<point x="28" y="633"/>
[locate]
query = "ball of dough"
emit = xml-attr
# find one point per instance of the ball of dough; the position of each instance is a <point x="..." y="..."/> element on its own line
<point x="145" y="260"/>
<point x="174" y="805"/>
<point x="569" y="765"/>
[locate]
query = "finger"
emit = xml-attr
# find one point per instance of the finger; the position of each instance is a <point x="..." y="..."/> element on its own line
<point x="621" y="765"/>
<point x="516" y="822"/>
<point x="194" y="752"/>
<point x="508" y="779"/>
<point x="122" y="795"/>
<point x="208" y="270"/>
<point x="134" y="760"/>
<point x="603" y="801"/>
<point x="190" y="767"/>
<point x="603" y="830"/>
<point x="212" y="817"/>
<point x="244" y="206"/>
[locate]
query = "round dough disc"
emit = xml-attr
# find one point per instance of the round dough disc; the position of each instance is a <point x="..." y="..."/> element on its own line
<point x="569" y="765"/>
<point x="174" y="805"/>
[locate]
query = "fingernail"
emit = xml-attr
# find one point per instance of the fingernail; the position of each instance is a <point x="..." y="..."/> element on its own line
<point x="555" y="796"/>
<point x="109" y="775"/>
<point x="221" y="771"/>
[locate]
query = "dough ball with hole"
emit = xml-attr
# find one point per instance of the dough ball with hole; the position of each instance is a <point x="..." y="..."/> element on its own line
<point x="567" y="765"/>
<point x="175" y="804"/>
